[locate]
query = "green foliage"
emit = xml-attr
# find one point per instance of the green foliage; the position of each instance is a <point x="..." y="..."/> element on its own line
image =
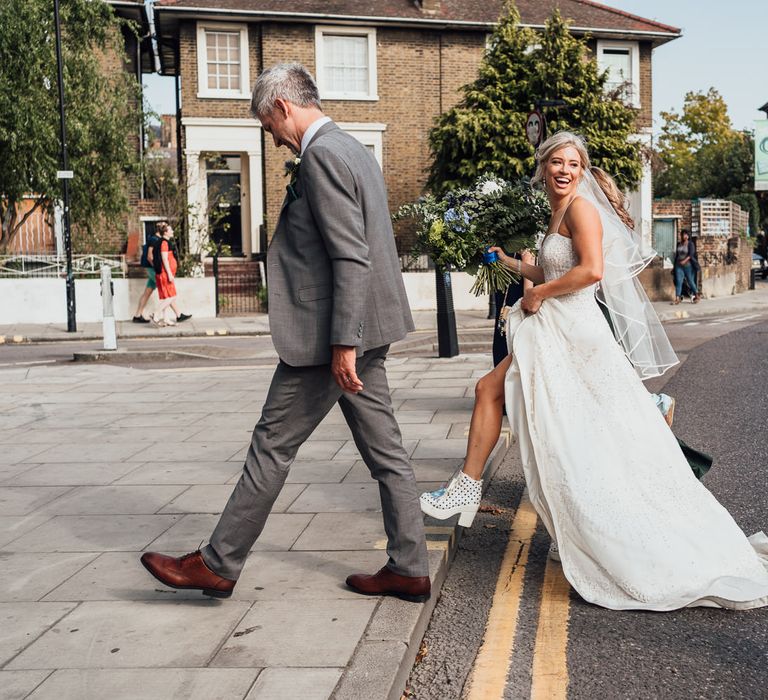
<point x="699" y="152"/>
<point x="748" y="202"/>
<point x="101" y="108"/>
<point x="486" y="130"/>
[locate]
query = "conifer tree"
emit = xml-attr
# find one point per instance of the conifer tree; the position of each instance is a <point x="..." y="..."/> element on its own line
<point x="486" y="130"/>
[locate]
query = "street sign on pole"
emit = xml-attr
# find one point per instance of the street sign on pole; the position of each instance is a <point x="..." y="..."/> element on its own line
<point x="535" y="128"/>
<point x="65" y="174"/>
<point x="761" y="155"/>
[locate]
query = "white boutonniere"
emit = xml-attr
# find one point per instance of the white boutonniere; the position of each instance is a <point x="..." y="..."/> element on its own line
<point x="292" y="171"/>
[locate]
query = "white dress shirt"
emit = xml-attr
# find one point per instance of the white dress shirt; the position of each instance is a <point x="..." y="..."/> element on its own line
<point x="312" y="130"/>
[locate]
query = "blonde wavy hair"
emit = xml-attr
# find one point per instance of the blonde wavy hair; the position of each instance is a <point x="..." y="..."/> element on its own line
<point x="563" y="139"/>
<point x="614" y="195"/>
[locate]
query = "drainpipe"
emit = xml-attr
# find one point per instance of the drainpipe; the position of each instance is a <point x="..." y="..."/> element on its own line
<point x="149" y="9"/>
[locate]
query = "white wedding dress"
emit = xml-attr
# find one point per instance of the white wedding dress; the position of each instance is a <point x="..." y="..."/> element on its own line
<point x="635" y="528"/>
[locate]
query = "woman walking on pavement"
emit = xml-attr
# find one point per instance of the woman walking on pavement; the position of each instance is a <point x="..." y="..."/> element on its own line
<point x="685" y="267"/>
<point x="165" y="275"/>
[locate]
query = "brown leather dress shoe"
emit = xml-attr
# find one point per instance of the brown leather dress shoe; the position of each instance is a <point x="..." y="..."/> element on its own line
<point x="386" y="582"/>
<point x="189" y="571"/>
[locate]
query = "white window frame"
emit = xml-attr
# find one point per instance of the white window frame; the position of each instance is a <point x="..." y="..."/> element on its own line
<point x="634" y="57"/>
<point x="368" y="134"/>
<point x="325" y="93"/>
<point x="203" y="91"/>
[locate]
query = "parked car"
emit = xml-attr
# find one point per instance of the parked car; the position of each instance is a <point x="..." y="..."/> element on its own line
<point x="760" y="265"/>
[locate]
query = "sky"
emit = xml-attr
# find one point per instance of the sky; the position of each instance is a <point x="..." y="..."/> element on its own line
<point x="722" y="46"/>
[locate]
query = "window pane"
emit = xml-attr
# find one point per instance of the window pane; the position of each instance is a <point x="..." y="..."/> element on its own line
<point x="223" y="60"/>
<point x="346" y="63"/>
<point x="618" y="63"/>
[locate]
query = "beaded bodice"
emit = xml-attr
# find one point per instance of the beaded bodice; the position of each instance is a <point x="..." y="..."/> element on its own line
<point x="557" y="257"/>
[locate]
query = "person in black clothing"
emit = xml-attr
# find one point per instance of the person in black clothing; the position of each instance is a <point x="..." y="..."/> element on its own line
<point x="685" y="267"/>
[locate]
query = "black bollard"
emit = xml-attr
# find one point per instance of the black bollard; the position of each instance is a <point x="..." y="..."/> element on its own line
<point x="447" y="340"/>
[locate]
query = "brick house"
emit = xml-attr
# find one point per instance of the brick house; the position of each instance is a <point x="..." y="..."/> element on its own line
<point x="385" y="68"/>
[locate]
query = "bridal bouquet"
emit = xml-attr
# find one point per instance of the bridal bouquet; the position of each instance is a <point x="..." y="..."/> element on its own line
<point x="457" y="229"/>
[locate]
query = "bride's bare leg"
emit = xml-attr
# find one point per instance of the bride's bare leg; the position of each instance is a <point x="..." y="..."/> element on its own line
<point x="485" y="426"/>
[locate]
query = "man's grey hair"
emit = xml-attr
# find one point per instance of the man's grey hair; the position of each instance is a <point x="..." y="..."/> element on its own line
<point x="289" y="81"/>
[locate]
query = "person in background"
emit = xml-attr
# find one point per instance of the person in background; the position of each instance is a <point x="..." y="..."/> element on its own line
<point x="685" y="267"/>
<point x="164" y="261"/>
<point x="146" y="262"/>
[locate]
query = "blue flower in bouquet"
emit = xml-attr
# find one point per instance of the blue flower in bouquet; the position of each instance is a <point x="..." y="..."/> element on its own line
<point x="453" y="219"/>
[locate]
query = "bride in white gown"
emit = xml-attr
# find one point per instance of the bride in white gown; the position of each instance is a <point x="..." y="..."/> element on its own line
<point x="634" y="528"/>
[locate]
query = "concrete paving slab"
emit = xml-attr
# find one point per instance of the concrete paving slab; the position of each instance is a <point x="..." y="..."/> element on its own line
<point x="442" y="392"/>
<point x="213" y="498"/>
<point x="373" y="672"/>
<point x="11" y="453"/>
<point x="279" y="534"/>
<point x="210" y="451"/>
<point x="23" y="500"/>
<point x="319" y="472"/>
<point x="12" y="527"/>
<point x="26" y="576"/>
<point x="11" y="471"/>
<point x="93" y="533"/>
<point x="182" y="473"/>
<point x="17" y="685"/>
<point x="113" y="500"/>
<point x="280" y="633"/>
<point x="424" y="431"/>
<point x="338" y="498"/>
<point x="72" y="474"/>
<point x="128" y="634"/>
<point x="147" y="684"/>
<point x="22" y="623"/>
<point x="431" y="449"/>
<point x="405" y="417"/>
<point x="85" y="452"/>
<point x="294" y="683"/>
<point x="338" y="531"/>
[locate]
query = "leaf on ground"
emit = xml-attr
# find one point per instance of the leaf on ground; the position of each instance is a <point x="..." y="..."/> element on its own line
<point x="488" y="526"/>
<point x="247" y="630"/>
<point x="423" y="651"/>
<point x="491" y="509"/>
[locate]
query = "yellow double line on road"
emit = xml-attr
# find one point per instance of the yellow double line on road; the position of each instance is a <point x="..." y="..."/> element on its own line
<point x="549" y="673"/>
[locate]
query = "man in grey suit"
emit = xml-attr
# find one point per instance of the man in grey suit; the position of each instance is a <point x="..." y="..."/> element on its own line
<point x="336" y="302"/>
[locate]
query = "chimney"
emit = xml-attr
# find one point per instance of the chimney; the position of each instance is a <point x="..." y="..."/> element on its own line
<point x="430" y="7"/>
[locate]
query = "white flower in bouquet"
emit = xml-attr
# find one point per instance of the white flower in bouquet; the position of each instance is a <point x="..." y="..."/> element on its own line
<point x="491" y="186"/>
<point x="539" y="240"/>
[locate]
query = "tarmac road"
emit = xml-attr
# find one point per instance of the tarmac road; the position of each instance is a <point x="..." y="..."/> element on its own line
<point x="722" y="394"/>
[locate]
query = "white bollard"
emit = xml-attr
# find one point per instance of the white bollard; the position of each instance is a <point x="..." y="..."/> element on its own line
<point x="108" y="323"/>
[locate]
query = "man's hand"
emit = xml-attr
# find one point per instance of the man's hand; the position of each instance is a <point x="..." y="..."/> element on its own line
<point x="343" y="369"/>
<point x="531" y="301"/>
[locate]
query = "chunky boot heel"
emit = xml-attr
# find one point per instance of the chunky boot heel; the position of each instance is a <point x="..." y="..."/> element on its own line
<point x="467" y="517"/>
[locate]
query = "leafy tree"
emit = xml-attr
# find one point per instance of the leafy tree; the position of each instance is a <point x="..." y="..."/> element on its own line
<point x="102" y="110"/>
<point x="700" y="154"/>
<point x="486" y="130"/>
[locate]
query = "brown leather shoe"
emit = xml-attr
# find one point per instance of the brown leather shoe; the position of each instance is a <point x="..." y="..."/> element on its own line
<point x="386" y="582"/>
<point x="189" y="571"/>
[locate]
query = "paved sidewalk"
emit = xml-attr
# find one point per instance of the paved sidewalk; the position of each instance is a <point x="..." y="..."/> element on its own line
<point x="99" y="463"/>
<point x="258" y="324"/>
<point x="752" y="301"/>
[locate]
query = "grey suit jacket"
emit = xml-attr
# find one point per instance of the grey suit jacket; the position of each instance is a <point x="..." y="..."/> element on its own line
<point x="333" y="271"/>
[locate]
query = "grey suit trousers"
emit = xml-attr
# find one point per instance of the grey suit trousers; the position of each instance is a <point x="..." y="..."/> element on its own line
<point x="298" y="399"/>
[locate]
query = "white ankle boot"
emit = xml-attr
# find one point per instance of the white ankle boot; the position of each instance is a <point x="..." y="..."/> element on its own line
<point x="461" y="495"/>
<point x="554" y="551"/>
